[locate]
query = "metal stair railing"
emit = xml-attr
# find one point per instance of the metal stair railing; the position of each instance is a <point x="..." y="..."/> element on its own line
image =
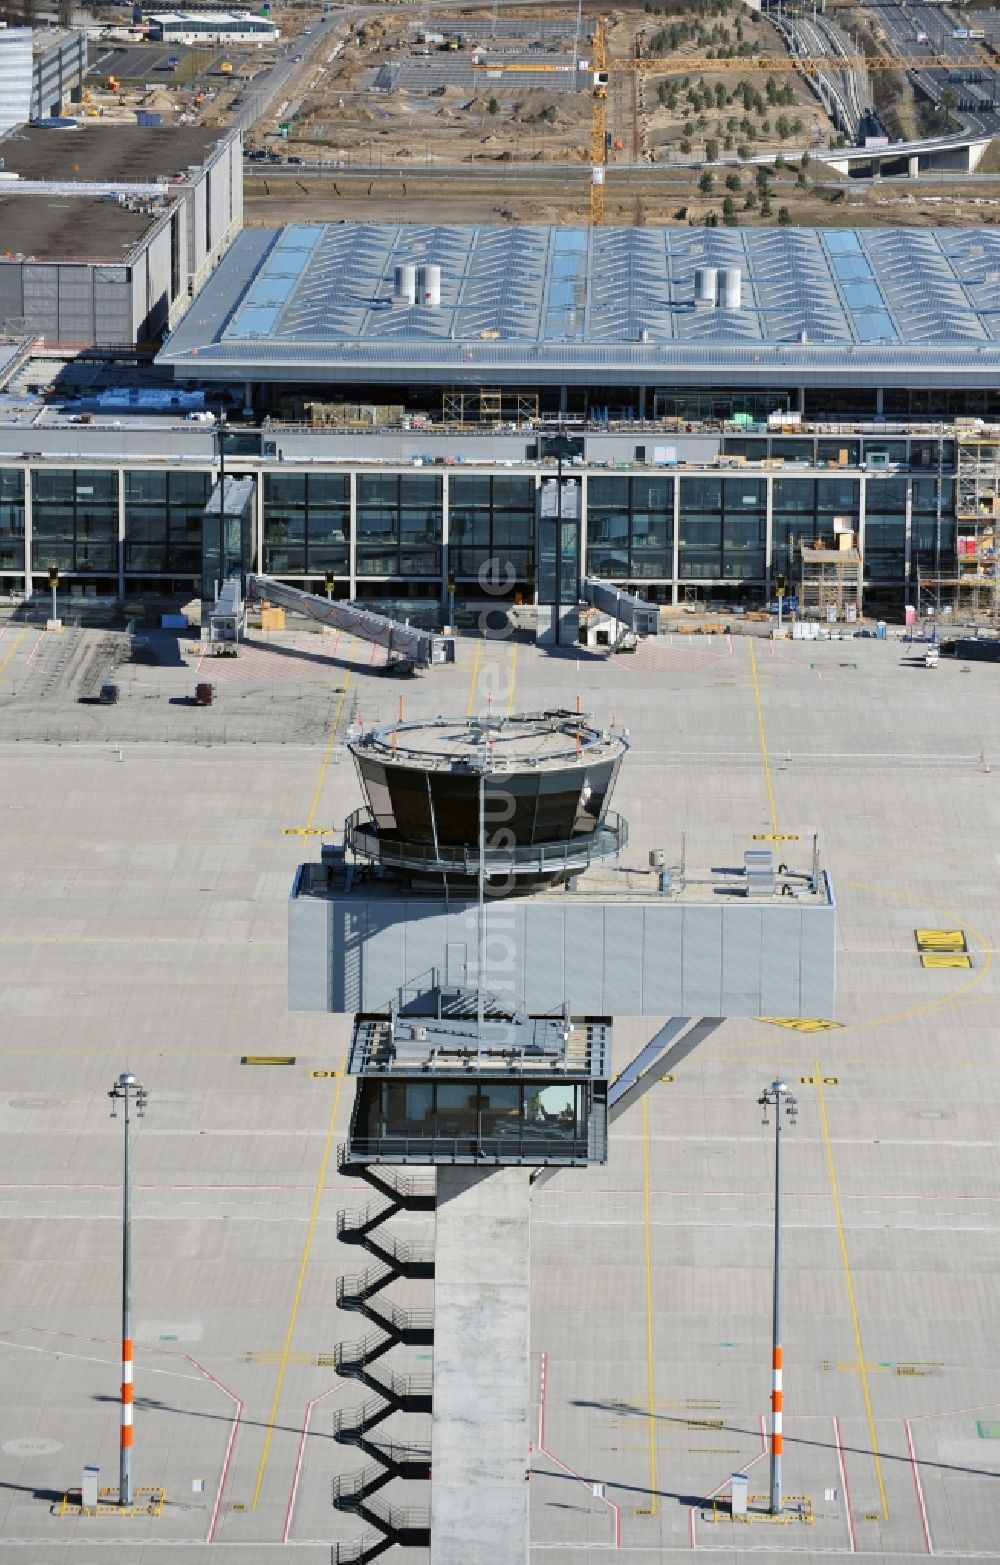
<point x="354" y="1291"/>
<point x="353" y="1223"/>
<point x="351" y="1423"/>
<point x="414" y="1191"/>
<point x="350" y="1357"/>
<point x="348" y="1489"/>
<point x="394" y="1393"/>
<point x="407" y="1392"/>
<point x="403" y="1523"/>
<point x="414" y="1260"/>
<point x="361" y="1550"/>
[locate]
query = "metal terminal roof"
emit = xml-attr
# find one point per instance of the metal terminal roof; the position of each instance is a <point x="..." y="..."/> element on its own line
<point x="829" y="306"/>
<point x="453" y="1043"/>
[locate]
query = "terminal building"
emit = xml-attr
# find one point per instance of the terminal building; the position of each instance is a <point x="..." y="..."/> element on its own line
<point x="41" y="71"/>
<point x="730" y="406"/>
<point x="107" y="232"/>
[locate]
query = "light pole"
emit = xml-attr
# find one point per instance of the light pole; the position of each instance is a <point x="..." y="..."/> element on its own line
<point x="126" y="1090"/>
<point x="778" y="1097"/>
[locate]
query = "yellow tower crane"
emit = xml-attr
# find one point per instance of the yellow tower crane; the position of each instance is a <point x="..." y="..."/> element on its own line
<point x="702" y="65"/>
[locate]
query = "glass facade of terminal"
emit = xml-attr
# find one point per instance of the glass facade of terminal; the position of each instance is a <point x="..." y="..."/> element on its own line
<point x="718" y="529"/>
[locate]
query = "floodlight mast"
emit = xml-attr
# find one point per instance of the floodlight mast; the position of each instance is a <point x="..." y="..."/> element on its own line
<point x="778" y="1097"/>
<point x="127" y="1089"/>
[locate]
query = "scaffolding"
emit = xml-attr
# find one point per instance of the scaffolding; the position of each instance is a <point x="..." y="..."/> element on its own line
<point x="830" y="581"/>
<point x="972" y="591"/>
<point x="488" y="405"/>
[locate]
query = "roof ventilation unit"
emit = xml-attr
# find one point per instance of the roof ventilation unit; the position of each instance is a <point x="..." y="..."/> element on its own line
<point x="404" y="285"/>
<point x="730" y="288"/>
<point x="706" y="285"/>
<point x="429" y="286"/>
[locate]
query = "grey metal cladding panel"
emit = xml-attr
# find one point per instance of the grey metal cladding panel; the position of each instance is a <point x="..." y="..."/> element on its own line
<point x="662" y="960"/>
<point x="623" y="938"/>
<point x="309" y="955"/>
<point x="741" y="949"/>
<point x="545" y="977"/>
<point x="384" y="955"/>
<point x="818" y="970"/>
<point x="347" y="927"/>
<point x="702" y="990"/>
<point x="505" y="944"/>
<point x="11" y="298"/>
<point x="781" y="943"/>
<point x="585" y="965"/>
<point x="425" y="947"/>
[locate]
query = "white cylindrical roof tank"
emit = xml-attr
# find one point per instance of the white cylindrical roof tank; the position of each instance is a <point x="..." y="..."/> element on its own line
<point x="404" y="284"/>
<point x="429" y="286"/>
<point x="730" y="288"/>
<point x="705" y="287"/>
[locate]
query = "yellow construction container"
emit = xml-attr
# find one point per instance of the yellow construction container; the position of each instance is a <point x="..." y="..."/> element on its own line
<point x="272" y="619"/>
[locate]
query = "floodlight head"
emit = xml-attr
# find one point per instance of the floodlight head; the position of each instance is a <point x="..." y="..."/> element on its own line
<point x="779" y="1086"/>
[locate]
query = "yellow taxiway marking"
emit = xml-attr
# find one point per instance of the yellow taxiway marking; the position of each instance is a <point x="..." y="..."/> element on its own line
<point x="513" y="679"/>
<point x="326" y="760"/>
<point x="851" y="1300"/>
<point x="945" y="959"/>
<point x="14" y="646"/>
<point x="763" y="738"/>
<point x="475" y="675"/>
<point x="286" y="1346"/>
<point x="647" y="1235"/>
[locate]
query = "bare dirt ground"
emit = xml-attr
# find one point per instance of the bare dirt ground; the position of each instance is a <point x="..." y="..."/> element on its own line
<point x="673" y="116"/>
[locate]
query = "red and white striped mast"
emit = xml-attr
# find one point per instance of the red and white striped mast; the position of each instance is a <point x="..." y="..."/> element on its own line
<point x="778" y="1097"/>
<point x="126" y="1090"/>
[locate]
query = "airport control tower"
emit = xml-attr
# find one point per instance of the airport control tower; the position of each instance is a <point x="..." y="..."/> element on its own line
<point x="480" y="925"/>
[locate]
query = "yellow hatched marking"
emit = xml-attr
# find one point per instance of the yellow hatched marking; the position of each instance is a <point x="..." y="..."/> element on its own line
<point x="941" y="940"/>
<point x="945" y="959"/>
<point x="801" y="1023"/>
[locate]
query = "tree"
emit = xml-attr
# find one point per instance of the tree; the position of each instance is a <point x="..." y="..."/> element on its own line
<point x="493" y="106"/>
<point x="750" y="201"/>
<point x="711" y="150"/>
<point x="733" y="182"/>
<point x="711" y="219"/>
<point x="729" y="211"/>
<point x="784" y="216"/>
<point x="949" y="101"/>
<point x="64" y="12"/>
<point x="765" y="206"/>
<point x="706" y="183"/>
<point x="686" y="146"/>
<point x="762" y="175"/>
<point x="744" y="151"/>
<point x="804" y="161"/>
